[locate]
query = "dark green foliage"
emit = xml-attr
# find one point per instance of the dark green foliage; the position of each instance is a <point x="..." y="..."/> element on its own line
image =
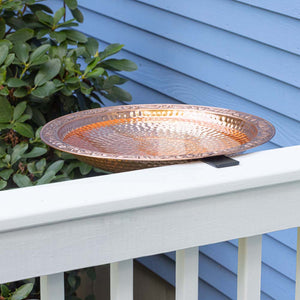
<point x="47" y="69"/>
<point x="10" y="292"/>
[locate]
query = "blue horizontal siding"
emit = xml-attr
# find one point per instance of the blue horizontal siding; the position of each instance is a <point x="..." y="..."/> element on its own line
<point x="272" y="249"/>
<point x="242" y="82"/>
<point x="287" y="237"/>
<point x="248" y="21"/>
<point x="290" y="8"/>
<point x="165" y="267"/>
<point x="213" y="273"/>
<point x="141" y="95"/>
<point x="189" y="90"/>
<point x="236" y="54"/>
<point x="267" y="60"/>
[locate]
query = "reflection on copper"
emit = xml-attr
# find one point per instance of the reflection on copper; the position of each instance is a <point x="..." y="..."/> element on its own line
<point x="123" y="138"/>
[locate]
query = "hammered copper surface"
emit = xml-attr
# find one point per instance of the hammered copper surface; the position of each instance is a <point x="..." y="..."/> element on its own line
<point x="130" y="137"/>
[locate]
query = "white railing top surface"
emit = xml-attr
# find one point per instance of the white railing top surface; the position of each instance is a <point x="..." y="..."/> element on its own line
<point x="56" y="202"/>
<point x="76" y="224"/>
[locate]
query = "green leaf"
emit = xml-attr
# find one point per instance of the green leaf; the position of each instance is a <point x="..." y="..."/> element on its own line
<point x="22" y="181"/>
<point x="22" y="51"/>
<point x="86" y="89"/>
<point x="64" y="155"/>
<point x="6" y="158"/>
<point x="74" y="281"/>
<point x="91" y="65"/>
<point x="24" y="129"/>
<point x="110" y="50"/>
<point x="71" y="166"/>
<point x="75" y="36"/>
<point x="56" y="166"/>
<point x="38" y="53"/>
<point x="19" y="110"/>
<point x="69" y="23"/>
<point x="41" y="165"/>
<point x="5" y="174"/>
<point x="58" y="36"/>
<point x="118" y="94"/>
<point x="3" y="53"/>
<point x="66" y="91"/>
<point x="21" y="35"/>
<point x="91" y="273"/>
<point x="5" y="126"/>
<point x="38" y="117"/>
<point x="4" y="91"/>
<point x="16" y="82"/>
<point x="119" y="65"/>
<point x="37" y="133"/>
<point x="21" y="92"/>
<point x="47" y="71"/>
<point x="45" y="18"/>
<point x="10" y="58"/>
<point x="72" y="80"/>
<point x="45" y="90"/>
<point x="40" y="61"/>
<point x="77" y="14"/>
<point x="4" y="290"/>
<point x="18" y="152"/>
<point x="85" y="169"/>
<point x="35" y="152"/>
<point x="7" y="43"/>
<point x="2" y="28"/>
<point x="6" y="110"/>
<point x="42" y="32"/>
<point x="46" y="178"/>
<point x="72" y="4"/>
<point x="92" y="46"/>
<point x="28" y="111"/>
<point x="58" y="51"/>
<point x="76" y="52"/>
<point x="58" y="15"/>
<point x="112" y="80"/>
<point x="2" y="149"/>
<point x="2" y="75"/>
<point x="36" y="7"/>
<point x="95" y="73"/>
<point x="31" y="168"/>
<point x="99" y="101"/>
<point x="24" y="118"/>
<point x="3" y="185"/>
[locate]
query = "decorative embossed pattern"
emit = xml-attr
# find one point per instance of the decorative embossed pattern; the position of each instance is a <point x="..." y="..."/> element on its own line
<point x="123" y="138"/>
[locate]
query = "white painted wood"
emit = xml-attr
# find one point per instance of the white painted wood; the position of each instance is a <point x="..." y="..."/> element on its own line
<point x="121" y="280"/>
<point x="84" y="223"/>
<point x="52" y="287"/>
<point x="249" y="268"/>
<point x="97" y="240"/>
<point x="297" y="291"/>
<point x="98" y="195"/>
<point x="187" y="262"/>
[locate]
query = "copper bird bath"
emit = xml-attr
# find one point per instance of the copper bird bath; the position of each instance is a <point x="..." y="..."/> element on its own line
<point x="130" y="137"/>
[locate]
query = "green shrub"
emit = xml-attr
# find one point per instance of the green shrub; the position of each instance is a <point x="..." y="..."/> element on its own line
<point x="48" y="69"/>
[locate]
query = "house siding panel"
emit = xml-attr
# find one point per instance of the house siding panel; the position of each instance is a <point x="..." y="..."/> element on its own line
<point x="237" y="54"/>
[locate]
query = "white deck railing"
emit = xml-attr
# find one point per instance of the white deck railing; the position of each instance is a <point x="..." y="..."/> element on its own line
<point x="49" y="229"/>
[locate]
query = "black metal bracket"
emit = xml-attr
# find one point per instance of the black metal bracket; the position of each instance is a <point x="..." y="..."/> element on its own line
<point x="220" y="161"/>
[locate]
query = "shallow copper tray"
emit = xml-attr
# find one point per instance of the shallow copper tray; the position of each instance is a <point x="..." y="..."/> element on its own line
<point x="130" y="137"/>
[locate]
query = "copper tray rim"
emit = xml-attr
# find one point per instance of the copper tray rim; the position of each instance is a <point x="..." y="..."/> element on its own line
<point x="49" y="132"/>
